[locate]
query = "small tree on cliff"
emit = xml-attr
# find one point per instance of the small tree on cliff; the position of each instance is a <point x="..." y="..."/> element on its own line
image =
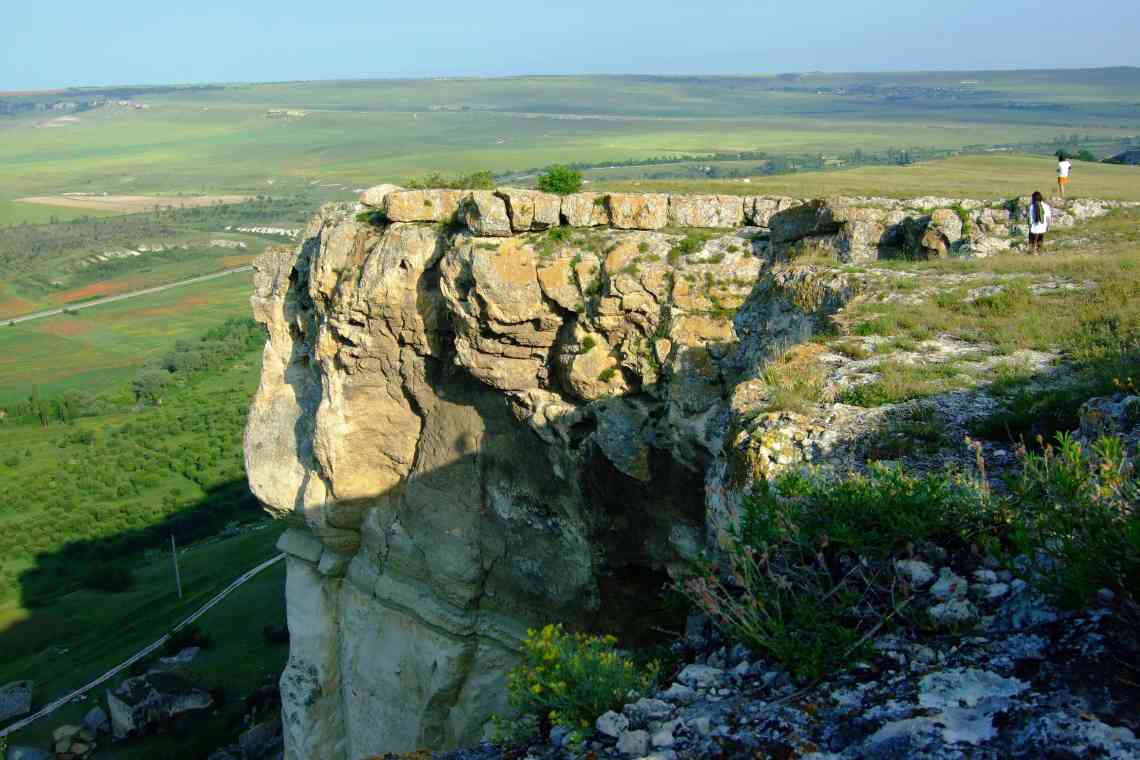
<point x="561" y="180"/>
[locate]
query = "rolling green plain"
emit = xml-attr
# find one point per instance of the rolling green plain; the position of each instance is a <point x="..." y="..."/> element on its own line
<point x="81" y="487"/>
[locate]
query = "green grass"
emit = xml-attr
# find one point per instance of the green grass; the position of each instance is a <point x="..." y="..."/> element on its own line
<point x="361" y="132"/>
<point x="17" y="212"/>
<point x="66" y="643"/>
<point x="992" y="176"/>
<point x="100" y="347"/>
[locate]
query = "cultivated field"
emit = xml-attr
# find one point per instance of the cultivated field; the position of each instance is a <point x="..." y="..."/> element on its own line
<point x="102" y="347"/>
<point x="982" y="177"/>
<point x="129" y="204"/>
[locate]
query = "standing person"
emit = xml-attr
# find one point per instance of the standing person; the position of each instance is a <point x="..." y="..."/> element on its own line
<point x="1040" y="215"/>
<point x="1064" y="166"/>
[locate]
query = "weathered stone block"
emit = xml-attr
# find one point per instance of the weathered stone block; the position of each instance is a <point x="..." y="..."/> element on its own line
<point x="638" y="211"/>
<point x="706" y="210"/>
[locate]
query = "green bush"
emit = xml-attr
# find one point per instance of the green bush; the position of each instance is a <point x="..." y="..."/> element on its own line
<point x="481" y="180"/>
<point x="570" y="679"/>
<point x="561" y="180"/>
<point x="810" y="562"/>
<point x="1076" y="512"/>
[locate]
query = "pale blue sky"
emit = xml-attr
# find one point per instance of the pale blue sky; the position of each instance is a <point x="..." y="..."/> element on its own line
<point x="102" y="42"/>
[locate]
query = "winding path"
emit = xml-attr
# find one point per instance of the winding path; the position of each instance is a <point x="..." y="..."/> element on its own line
<point x="123" y="296"/>
<point x="217" y="598"/>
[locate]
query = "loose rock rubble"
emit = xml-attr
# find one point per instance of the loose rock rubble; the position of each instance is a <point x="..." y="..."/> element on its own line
<point x="1016" y="678"/>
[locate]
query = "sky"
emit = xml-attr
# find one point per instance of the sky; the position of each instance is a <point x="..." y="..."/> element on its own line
<point x="49" y="45"/>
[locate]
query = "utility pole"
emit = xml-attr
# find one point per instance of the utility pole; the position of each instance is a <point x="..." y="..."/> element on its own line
<point x="177" y="575"/>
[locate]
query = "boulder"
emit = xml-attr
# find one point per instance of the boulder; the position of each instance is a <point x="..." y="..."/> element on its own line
<point x="585" y="210"/>
<point x="96" y="720"/>
<point x="807" y="219"/>
<point x="485" y="214"/>
<point x="758" y="210"/>
<point x="531" y="209"/>
<point x="374" y="196"/>
<point x="638" y="211"/>
<point x="15" y="699"/>
<point x="139" y="703"/>
<point x="422" y="205"/>
<point x="706" y="210"/>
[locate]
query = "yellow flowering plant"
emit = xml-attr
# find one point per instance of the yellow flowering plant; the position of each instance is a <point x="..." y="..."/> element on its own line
<point x="571" y="678"/>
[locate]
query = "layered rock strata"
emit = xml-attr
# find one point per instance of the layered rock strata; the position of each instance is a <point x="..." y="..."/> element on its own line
<point x="476" y="424"/>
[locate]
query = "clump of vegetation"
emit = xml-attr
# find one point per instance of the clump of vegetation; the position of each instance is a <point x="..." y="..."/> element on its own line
<point x="1077" y="512"/>
<point x="607" y="374"/>
<point x="920" y="431"/>
<point x="643" y="247"/>
<point x="570" y="679"/>
<point x="810" y="563"/>
<point x="481" y="180"/>
<point x="374" y="218"/>
<point x="687" y="246"/>
<point x="561" y="180"/>
<point x="587" y="345"/>
<point x="795" y="378"/>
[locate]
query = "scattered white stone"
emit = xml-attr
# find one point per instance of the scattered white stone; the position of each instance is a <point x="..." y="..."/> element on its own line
<point x="953" y="612"/>
<point x="679" y="693"/>
<point x="700" y="676"/>
<point x="663" y="737"/>
<point x="985" y="576"/>
<point x="949" y="585"/>
<point x="916" y="572"/>
<point x="611" y="724"/>
<point x="646" y="710"/>
<point x="633" y="743"/>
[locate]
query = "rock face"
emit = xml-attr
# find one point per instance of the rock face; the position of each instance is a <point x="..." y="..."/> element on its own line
<point x="143" y="701"/>
<point x="478" y="426"/>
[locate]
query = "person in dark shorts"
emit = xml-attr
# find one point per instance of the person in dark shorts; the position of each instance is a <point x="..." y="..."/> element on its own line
<point x="1040" y="215"/>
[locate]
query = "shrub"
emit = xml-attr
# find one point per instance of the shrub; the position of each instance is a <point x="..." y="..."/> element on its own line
<point x="570" y="679"/>
<point x="1077" y="513"/>
<point x="587" y="345"/>
<point x="481" y="180"/>
<point x="810" y="570"/>
<point x="561" y="180"/>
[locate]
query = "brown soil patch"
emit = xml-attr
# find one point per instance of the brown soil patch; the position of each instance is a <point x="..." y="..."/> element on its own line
<point x="94" y="290"/>
<point x="14" y="307"/>
<point x="180" y="306"/>
<point x="230" y="262"/>
<point x="66" y="326"/>
<point x="129" y="204"/>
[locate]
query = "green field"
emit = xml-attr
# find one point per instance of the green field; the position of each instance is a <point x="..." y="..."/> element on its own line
<point x="356" y="133"/>
<point x="66" y="643"/>
<point x="104" y="346"/>
<point x="983" y="177"/>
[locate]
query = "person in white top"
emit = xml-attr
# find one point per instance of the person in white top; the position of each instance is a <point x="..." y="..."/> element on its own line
<point x="1040" y="215"/>
<point x="1064" y="166"/>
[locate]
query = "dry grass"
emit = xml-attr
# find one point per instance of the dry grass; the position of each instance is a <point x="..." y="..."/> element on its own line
<point x="131" y="204"/>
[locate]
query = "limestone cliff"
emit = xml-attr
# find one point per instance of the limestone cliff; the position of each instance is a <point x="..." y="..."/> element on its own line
<point x="485" y="411"/>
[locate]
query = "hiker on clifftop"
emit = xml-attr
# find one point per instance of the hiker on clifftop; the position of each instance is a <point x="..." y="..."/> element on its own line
<point x="1040" y="215"/>
<point x="1064" y="166"/>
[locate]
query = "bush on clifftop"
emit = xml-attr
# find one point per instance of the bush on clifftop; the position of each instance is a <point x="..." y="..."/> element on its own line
<point x="561" y="180"/>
